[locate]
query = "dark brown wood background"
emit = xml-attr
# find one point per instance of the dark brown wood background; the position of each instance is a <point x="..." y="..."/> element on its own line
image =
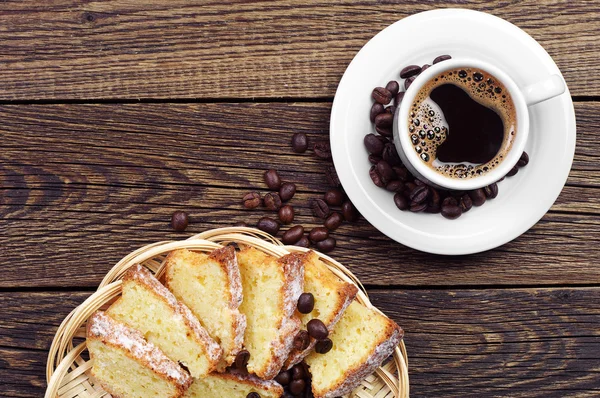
<point x="113" y="114"/>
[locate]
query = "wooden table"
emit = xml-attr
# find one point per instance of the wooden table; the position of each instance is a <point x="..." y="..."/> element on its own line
<point x="116" y="113"/>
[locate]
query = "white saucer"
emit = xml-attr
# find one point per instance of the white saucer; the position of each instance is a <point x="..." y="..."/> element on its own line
<point x="418" y="39"/>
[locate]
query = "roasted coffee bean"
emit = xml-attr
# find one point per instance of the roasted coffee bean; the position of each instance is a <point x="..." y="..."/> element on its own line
<point x="409" y="187"/>
<point x="334" y="197"/>
<point x="384" y="120"/>
<point x="286" y="214"/>
<point x="433" y="201"/>
<point x="332" y="177"/>
<point x="419" y="194"/>
<point x="272" y="179"/>
<point x="317" y="329"/>
<point x="349" y="211"/>
<point x="477" y="196"/>
<point x="272" y="201"/>
<point x="253" y="395"/>
<point x="390" y="154"/>
<point x="251" y="200"/>
<point x="450" y="201"/>
<point x="456" y="194"/>
<point x="424" y="67"/>
<point x="409" y="71"/>
<point x="293" y="235"/>
<point x="297" y="386"/>
<point x="322" y="150"/>
<point x="299" y="142"/>
<point x="179" y="220"/>
<point x="513" y="171"/>
<point x="284" y="377"/>
<point x="524" y="160"/>
<point x="376" y="109"/>
<point x="393" y="87"/>
<point x="373" y="144"/>
<point x="384" y="131"/>
<point x="324" y="346"/>
<point x="398" y="98"/>
<point x="333" y="221"/>
<point x="419" y="182"/>
<point x="301" y="340"/>
<point x="491" y="191"/>
<point x="401" y="202"/>
<point x="320" y="208"/>
<point x="395" y="186"/>
<point x="326" y="245"/>
<point x="418" y="207"/>
<point x="451" y="212"/>
<point x="382" y="95"/>
<point x="441" y="58"/>
<point x="303" y="242"/>
<point x="374" y="159"/>
<point x="385" y="171"/>
<point x="401" y="172"/>
<point x="268" y="225"/>
<point x="298" y="372"/>
<point x="306" y="303"/>
<point x="408" y="82"/>
<point x="287" y="191"/>
<point x="465" y="203"/>
<point x="241" y="359"/>
<point x="375" y="177"/>
<point x="318" y="234"/>
<point x="391" y="110"/>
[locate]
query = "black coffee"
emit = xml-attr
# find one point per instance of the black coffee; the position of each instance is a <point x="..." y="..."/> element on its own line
<point x="462" y="122"/>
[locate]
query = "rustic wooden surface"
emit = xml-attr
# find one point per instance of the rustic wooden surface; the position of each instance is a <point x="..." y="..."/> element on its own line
<point x="113" y="114"/>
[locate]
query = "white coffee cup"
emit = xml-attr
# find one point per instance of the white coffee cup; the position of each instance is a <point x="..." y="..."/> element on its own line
<point x="522" y="97"/>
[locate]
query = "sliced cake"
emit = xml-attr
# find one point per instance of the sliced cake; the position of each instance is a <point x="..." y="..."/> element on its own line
<point x="210" y="285"/>
<point x="128" y="366"/>
<point x="332" y="296"/>
<point x="362" y="339"/>
<point x="271" y="289"/>
<point x="230" y="385"/>
<point x="146" y="305"/>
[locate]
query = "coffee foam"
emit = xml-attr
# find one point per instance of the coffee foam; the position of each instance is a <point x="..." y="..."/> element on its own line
<point x="428" y="128"/>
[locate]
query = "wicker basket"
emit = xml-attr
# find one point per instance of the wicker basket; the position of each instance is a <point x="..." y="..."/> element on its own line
<point x="68" y="372"/>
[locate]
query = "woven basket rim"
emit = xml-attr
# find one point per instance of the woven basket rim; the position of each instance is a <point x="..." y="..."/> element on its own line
<point x="66" y="370"/>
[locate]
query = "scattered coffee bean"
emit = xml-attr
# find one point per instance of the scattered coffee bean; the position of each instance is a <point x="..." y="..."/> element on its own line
<point x="375" y="177"/>
<point x="384" y="120"/>
<point x="409" y="187"/>
<point x="334" y="197"/>
<point x="253" y="395"/>
<point x="477" y="196"/>
<point x="324" y="346"/>
<point x="268" y="225"/>
<point x="513" y="171"/>
<point x="398" y="99"/>
<point x="419" y="194"/>
<point x="390" y="154"/>
<point x="384" y="131"/>
<point x="293" y="234"/>
<point x="441" y="58"/>
<point x="297" y="386"/>
<point x="298" y="372"/>
<point x="450" y="201"/>
<point x="241" y="359"/>
<point x="299" y="142"/>
<point x="349" y="211"/>
<point x="465" y="203"/>
<point x="318" y="234"/>
<point x="320" y="208"/>
<point x="524" y="160"/>
<point x="395" y="186"/>
<point x="381" y="95"/>
<point x="303" y="242"/>
<point x="332" y="177"/>
<point x="286" y="214"/>
<point x="408" y="82"/>
<point x="333" y="221"/>
<point x="317" y="329"/>
<point x="283" y="378"/>
<point x="401" y="172"/>
<point x="424" y="67"/>
<point x="272" y="201"/>
<point x="418" y="207"/>
<point x="322" y="150"/>
<point x="306" y="303"/>
<point x="385" y="171"/>
<point x="272" y="179"/>
<point x="376" y="109"/>
<point x="301" y="340"/>
<point x="374" y="159"/>
<point x="433" y="201"/>
<point x="391" y="110"/>
<point x="326" y="245"/>
<point x="251" y="200"/>
<point x="287" y="191"/>
<point x="409" y="71"/>
<point x="179" y="220"/>
<point x="491" y="191"/>
<point x="401" y="202"/>
<point x="451" y="212"/>
<point x="373" y="144"/>
<point x="393" y="87"/>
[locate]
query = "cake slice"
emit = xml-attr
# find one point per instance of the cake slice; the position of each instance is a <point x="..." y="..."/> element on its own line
<point x="146" y="305"/>
<point x="233" y="385"/>
<point x="362" y="340"/>
<point x="128" y="366"/>
<point x="271" y="289"/>
<point x="332" y="296"/>
<point x="211" y="287"/>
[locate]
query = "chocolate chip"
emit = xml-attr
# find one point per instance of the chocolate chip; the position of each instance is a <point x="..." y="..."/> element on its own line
<point x="303" y="242"/>
<point x="333" y="221"/>
<point x="293" y="234"/>
<point x="376" y="109"/>
<point x="284" y="377"/>
<point x="332" y="177"/>
<point x="318" y="234"/>
<point x="393" y="87"/>
<point x="298" y="372"/>
<point x="324" y="346"/>
<point x="179" y="220"/>
<point x="241" y="359"/>
<point x="401" y="202"/>
<point x="286" y="214"/>
<point x="272" y="201"/>
<point x="326" y="245"/>
<point x="451" y="212"/>
<point x="349" y="211"/>
<point x="524" y="160"/>
<point x="382" y="95"/>
<point x="334" y="197"/>
<point x="409" y="71"/>
<point x="272" y="179"/>
<point x="317" y="329"/>
<point x="320" y="208"/>
<point x="306" y="303"/>
<point x="408" y="82"/>
<point x="441" y="58"/>
<point x="373" y="144"/>
<point x="477" y="196"/>
<point x="301" y="340"/>
<point x="398" y="98"/>
<point x="297" y="386"/>
<point x="251" y="200"/>
<point x="253" y="395"/>
<point x="322" y="149"/>
<point x="287" y="191"/>
<point x="268" y="225"/>
<point x="384" y="120"/>
<point x="491" y="191"/>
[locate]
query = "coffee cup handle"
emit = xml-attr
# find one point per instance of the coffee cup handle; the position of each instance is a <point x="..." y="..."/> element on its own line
<point x="544" y="90"/>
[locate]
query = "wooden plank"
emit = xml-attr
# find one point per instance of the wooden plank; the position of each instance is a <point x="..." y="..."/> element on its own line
<point x="471" y="343"/>
<point x="83" y="185"/>
<point x="62" y="49"/>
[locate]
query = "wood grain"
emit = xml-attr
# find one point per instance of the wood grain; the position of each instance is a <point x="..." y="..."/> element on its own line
<point x="83" y="185"/>
<point x="467" y="343"/>
<point x="60" y="49"/>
